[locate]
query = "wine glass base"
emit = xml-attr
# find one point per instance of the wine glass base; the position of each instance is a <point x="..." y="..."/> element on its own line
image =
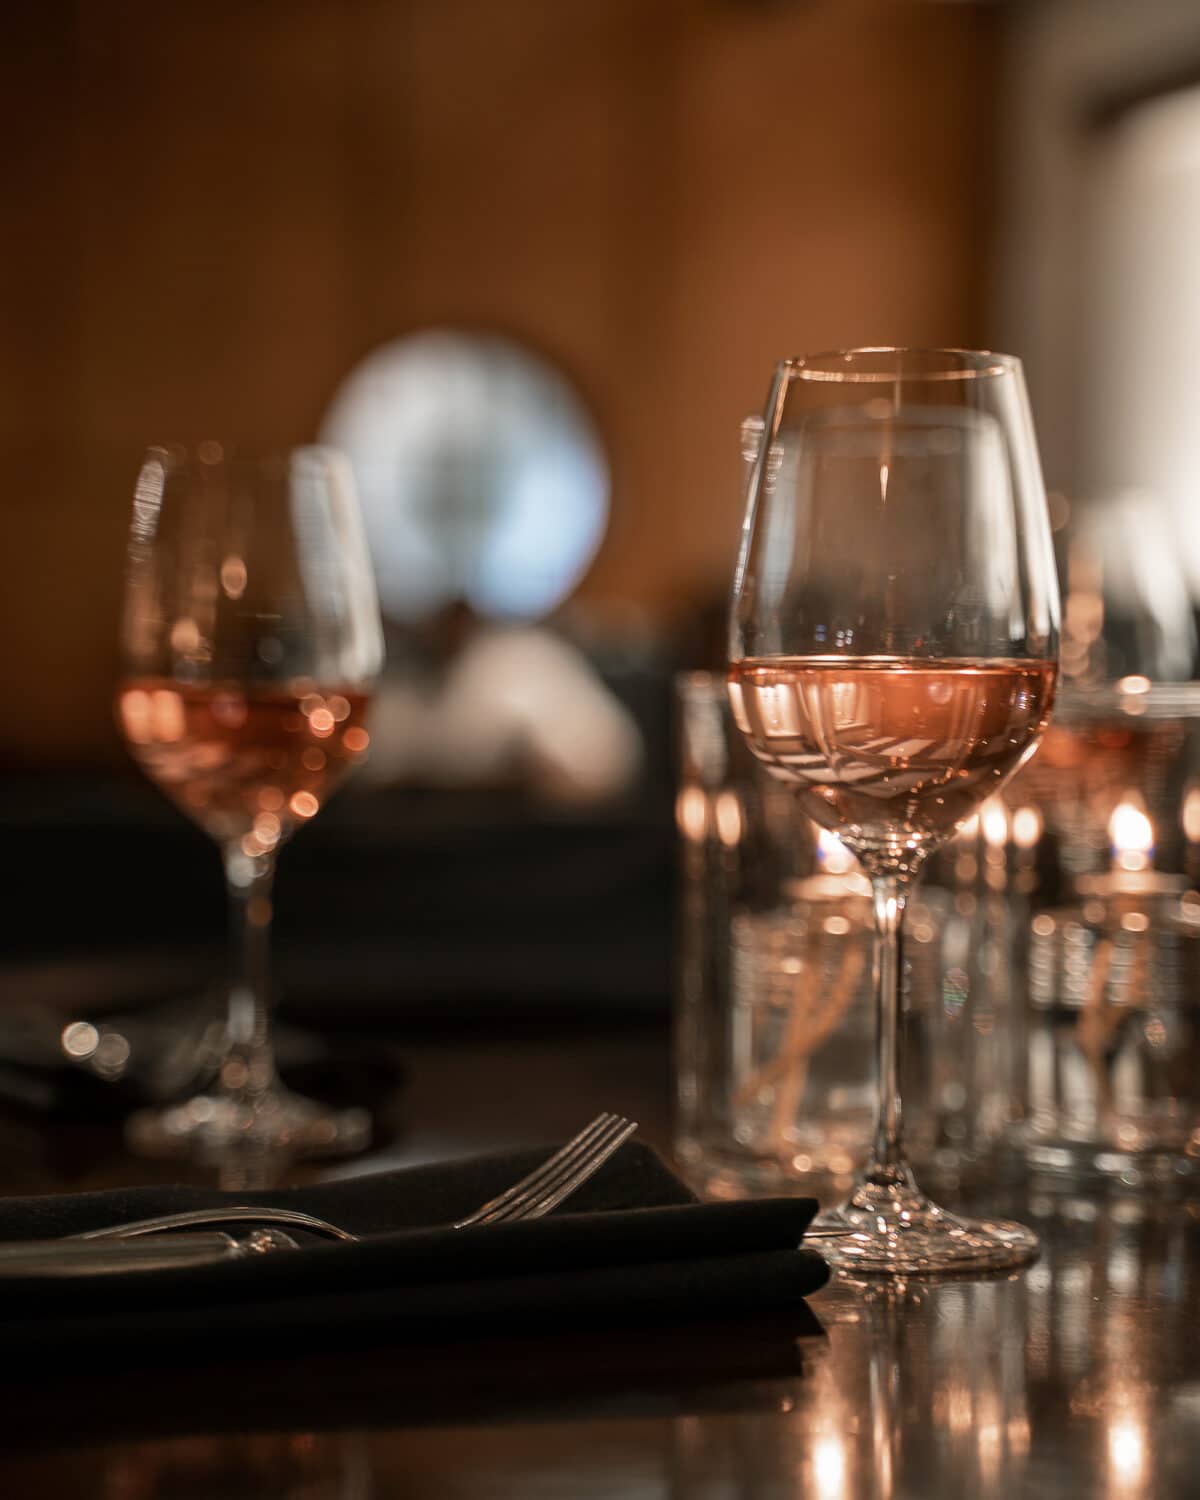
<point x="900" y="1232"/>
<point x="210" y="1127"/>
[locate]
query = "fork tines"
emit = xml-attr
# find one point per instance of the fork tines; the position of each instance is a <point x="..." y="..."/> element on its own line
<point x="558" y="1176"/>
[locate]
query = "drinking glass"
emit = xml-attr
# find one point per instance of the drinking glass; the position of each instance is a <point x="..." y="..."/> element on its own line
<point x="893" y="656"/>
<point x="250" y="642"/>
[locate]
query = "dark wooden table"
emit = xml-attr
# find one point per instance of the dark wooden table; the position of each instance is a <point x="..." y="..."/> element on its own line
<point x="1078" y="1377"/>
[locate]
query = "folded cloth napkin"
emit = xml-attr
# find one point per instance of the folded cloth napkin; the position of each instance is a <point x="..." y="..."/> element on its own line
<point x="632" y="1247"/>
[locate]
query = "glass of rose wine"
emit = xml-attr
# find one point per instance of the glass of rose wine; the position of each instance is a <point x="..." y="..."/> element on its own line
<point x="893" y="656"/>
<point x="250" y="642"/>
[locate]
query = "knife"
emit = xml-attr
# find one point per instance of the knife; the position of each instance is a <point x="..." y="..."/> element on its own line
<point x="71" y="1257"/>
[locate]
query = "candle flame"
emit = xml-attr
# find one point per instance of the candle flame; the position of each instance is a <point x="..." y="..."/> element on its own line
<point x="832" y="855"/>
<point x="1132" y="836"/>
<point x="994" y="821"/>
<point x="1026" y="827"/>
<point x="691" y="814"/>
<point x="728" y="814"/>
<point x="1191" y="815"/>
<point x="829" y="1466"/>
<point x="1127" y="1452"/>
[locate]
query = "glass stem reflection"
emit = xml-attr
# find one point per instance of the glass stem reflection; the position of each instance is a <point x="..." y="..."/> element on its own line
<point x="248" y="1068"/>
<point x="888" y="1167"/>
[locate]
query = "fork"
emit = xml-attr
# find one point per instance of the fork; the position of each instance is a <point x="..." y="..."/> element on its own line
<point x="533" y="1196"/>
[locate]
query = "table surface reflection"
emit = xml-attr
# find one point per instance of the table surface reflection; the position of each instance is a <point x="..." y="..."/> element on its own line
<point x="1077" y="1377"/>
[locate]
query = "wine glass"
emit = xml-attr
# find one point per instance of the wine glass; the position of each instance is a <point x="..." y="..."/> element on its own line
<point x="893" y="656"/>
<point x="250" y="642"/>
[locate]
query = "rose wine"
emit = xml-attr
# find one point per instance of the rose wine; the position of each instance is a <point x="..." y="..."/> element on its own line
<point x="244" y="761"/>
<point x="891" y="750"/>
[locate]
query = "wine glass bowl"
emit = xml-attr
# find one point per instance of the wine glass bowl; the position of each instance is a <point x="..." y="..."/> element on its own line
<point x="893" y="657"/>
<point x="250" y="642"/>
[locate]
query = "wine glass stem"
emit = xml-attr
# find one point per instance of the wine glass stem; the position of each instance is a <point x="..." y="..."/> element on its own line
<point x="248" y="1067"/>
<point x="888" y="1167"/>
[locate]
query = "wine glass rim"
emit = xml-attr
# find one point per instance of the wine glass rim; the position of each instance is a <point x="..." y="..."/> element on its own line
<point x="896" y="362"/>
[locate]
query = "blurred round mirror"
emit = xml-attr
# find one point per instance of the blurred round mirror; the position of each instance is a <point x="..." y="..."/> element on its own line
<point x="482" y="478"/>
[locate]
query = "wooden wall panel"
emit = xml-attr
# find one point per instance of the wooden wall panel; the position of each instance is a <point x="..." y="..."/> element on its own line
<point x="216" y="208"/>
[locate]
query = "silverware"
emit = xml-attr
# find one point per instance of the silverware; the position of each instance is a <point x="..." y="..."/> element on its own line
<point x="108" y="1249"/>
<point x="74" y="1257"/>
<point x="559" y="1176"/>
<point x="235" y="1213"/>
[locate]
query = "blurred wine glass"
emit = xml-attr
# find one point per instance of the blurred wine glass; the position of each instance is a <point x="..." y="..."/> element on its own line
<point x="250" y="644"/>
<point x="1127" y="610"/>
<point x="893" y="657"/>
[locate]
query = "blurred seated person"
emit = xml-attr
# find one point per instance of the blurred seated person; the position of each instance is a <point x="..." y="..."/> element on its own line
<point x="485" y="494"/>
<point x="501" y="705"/>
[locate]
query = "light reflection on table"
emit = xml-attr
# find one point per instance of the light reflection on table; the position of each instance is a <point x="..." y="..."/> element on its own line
<point x="1079" y="1377"/>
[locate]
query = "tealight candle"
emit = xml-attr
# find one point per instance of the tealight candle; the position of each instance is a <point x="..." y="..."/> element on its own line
<point x="837" y="877"/>
<point x="1132" y="835"/>
<point x="1026" y="835"/>
<point x="993" y="823"/>
<point x="1132" y="874"/>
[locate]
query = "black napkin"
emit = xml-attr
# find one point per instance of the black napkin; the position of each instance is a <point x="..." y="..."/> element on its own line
<point x="632" y="1248"/>
<point x="751" y="1365"/>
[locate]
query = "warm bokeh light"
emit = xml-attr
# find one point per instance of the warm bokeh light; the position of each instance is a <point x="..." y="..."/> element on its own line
<point x="1191" y="815"/>
<point x="691" y="813"/>
<point x="167" y="715"/>
<point x="1127" y="1455"/>
<point x="237" y="759"/>
<point x="233" y="576"/>
<point x="80" y="1039"/>
<point x="832" y="855"/>
<point x="135" y="717"/>
<point x="1026" y="827"/>
<point x="1131" y="834"/>
<point x="727" y="812"/>
<point x="267" y="829"/>
<point x="829" y="1466"/>
<point x="993" y="819"/>
<point x="185" y="636"/>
